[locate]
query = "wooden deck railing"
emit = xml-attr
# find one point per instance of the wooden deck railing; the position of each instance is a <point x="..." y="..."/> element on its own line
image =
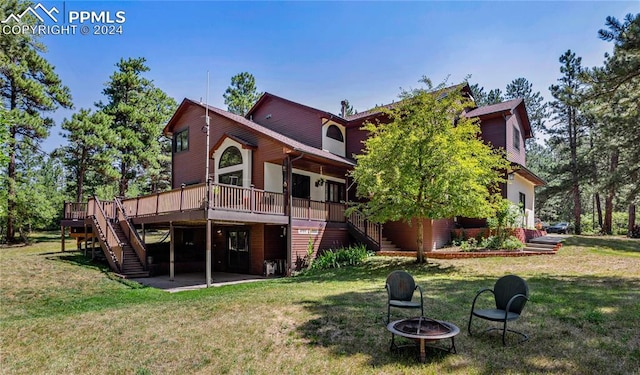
<point x="130" y="232"/>
<point x="221" y="197"/>
<point x="107" y="236"/>
<point x="75" y="210"/>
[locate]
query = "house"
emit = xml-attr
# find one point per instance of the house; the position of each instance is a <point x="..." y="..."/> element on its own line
<point x="256" y="193"/>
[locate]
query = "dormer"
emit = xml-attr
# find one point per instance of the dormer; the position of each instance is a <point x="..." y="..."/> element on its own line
<point x="334" y="137"/>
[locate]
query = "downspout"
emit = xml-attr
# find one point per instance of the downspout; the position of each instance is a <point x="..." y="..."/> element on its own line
<point x="289" y="211"/>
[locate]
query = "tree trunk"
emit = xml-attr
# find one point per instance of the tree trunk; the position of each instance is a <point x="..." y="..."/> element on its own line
<point x="11" y="188"/>
<point x="123" y="185"/>
<point x="420" y="240"/>
<point x="80" y="178"/>
<point x="599" y="210"/>
<point x="575" y="173"/>
<point x="608" y="203"/>
<point x="11" y="171"/>
<point x="632" y="219"/>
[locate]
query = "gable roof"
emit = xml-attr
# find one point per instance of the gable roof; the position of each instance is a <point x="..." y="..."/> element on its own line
<point x="259" y="129"/>
<point x="508" y="107"/>
<point x="319" y="112"/>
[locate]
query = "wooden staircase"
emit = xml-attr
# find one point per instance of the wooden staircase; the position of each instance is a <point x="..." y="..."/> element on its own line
<point x="124" y="251"/>
<point x="369" y="233"/>
<point x="132" y="266"/>
<point x="387" y="245"/>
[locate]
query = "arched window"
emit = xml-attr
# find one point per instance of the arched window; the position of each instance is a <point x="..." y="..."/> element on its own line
<point x="230" y="157"/>
<point x="334" y="132"/>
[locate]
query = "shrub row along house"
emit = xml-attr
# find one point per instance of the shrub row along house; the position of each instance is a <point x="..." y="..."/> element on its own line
<point x="277" y="186"/>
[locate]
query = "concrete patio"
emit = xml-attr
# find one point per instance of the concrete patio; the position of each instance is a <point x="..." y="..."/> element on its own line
<point x="193" y="281"/>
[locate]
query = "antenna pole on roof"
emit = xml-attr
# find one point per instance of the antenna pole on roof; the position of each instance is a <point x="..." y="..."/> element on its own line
<point x="208" y="189"/>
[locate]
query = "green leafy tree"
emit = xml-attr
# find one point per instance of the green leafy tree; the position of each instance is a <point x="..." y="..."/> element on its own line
<point x="88" y="151"/>
<point x="427" y="162"/>
<point x="568" y="131"/>
<point x="29" y="87"/>
<point x="242" y="94"/>
<point x="139" y="111"/>
<point x="39" y="193"/>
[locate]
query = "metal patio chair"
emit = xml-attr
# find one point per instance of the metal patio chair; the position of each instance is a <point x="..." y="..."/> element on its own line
<point x="511" y="293"/>
<point x="400" y="286"/>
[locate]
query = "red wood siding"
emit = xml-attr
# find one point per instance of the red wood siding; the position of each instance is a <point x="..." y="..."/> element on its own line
<point x="514" y="154"/>
<point x="188" y="166"/>
<point x="493" y="132"/>
<point x="329" y="236"/>
<point x="299" y="123"/>
<point x="355" y="138"/>
<point x="404" y="236"/>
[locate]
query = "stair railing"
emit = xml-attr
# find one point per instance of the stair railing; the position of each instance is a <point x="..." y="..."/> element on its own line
<point x="131" y="233"/>
<point x="107" y="235"/>
<point x="370" y="230"/>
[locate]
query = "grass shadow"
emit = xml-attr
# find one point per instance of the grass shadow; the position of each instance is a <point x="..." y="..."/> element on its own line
<point x="599" y="313"/>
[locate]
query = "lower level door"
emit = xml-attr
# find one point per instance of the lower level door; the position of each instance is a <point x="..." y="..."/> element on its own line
<point x="238" y="250"/>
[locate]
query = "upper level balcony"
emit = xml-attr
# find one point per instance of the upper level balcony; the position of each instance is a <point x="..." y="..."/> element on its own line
<point x="224" y="203"/>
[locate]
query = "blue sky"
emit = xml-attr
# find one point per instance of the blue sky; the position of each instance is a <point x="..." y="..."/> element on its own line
<point x="319" y="53"/>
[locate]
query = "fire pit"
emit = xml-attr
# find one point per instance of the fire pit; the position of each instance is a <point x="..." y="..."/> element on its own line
<point x="424" y="330"/>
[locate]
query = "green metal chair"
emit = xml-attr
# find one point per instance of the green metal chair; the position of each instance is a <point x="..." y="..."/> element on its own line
<point x="400" y="287"/>
<point x="511" y="293"/>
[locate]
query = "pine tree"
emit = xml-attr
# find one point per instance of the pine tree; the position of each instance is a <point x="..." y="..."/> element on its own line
<point x="613" y="101"/>
<point x="494" y="96"/>
<point x="533" y="101"/>
<point x="29" y="87"/>
<point x="88" y="151"/>
<point x="139" y="111"/>
<point x="568" y="131"/>
<point x="242" y="94"/>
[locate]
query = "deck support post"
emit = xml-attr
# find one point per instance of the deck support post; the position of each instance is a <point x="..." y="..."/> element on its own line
<point x="93" y="244"/>
<point x="86" y="240"/>
<point x="144" y="234"/>
<point x="171" y="252"/>
<point x="62" y="237"/>
<point x="289" y="197"/>
<point x="208" y="257"/>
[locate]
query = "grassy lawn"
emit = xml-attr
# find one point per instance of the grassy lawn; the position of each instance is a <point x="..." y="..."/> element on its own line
<point x="63" y="314"/>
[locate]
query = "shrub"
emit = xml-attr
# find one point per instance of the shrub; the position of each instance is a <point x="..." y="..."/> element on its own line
<point x="470" y="244"/>
<point x="344" y="256"/>
<point x="496" y="243"/>
<point x="512" y="243"/>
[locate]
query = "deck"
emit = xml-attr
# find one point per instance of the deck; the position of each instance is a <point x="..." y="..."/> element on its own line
<point x="225" y="203"/>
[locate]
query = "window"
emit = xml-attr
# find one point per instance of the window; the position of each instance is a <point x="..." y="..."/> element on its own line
<point x="334" y="191"/>
<point x="516" y="138"/>
<point x="334" y="132"/>
<point x="523" y="201"/>
<point x="230" y="157"/>
<point x="231" y="178"/>
<point x="301" y="186"/>
<point x="181" y="141"/>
